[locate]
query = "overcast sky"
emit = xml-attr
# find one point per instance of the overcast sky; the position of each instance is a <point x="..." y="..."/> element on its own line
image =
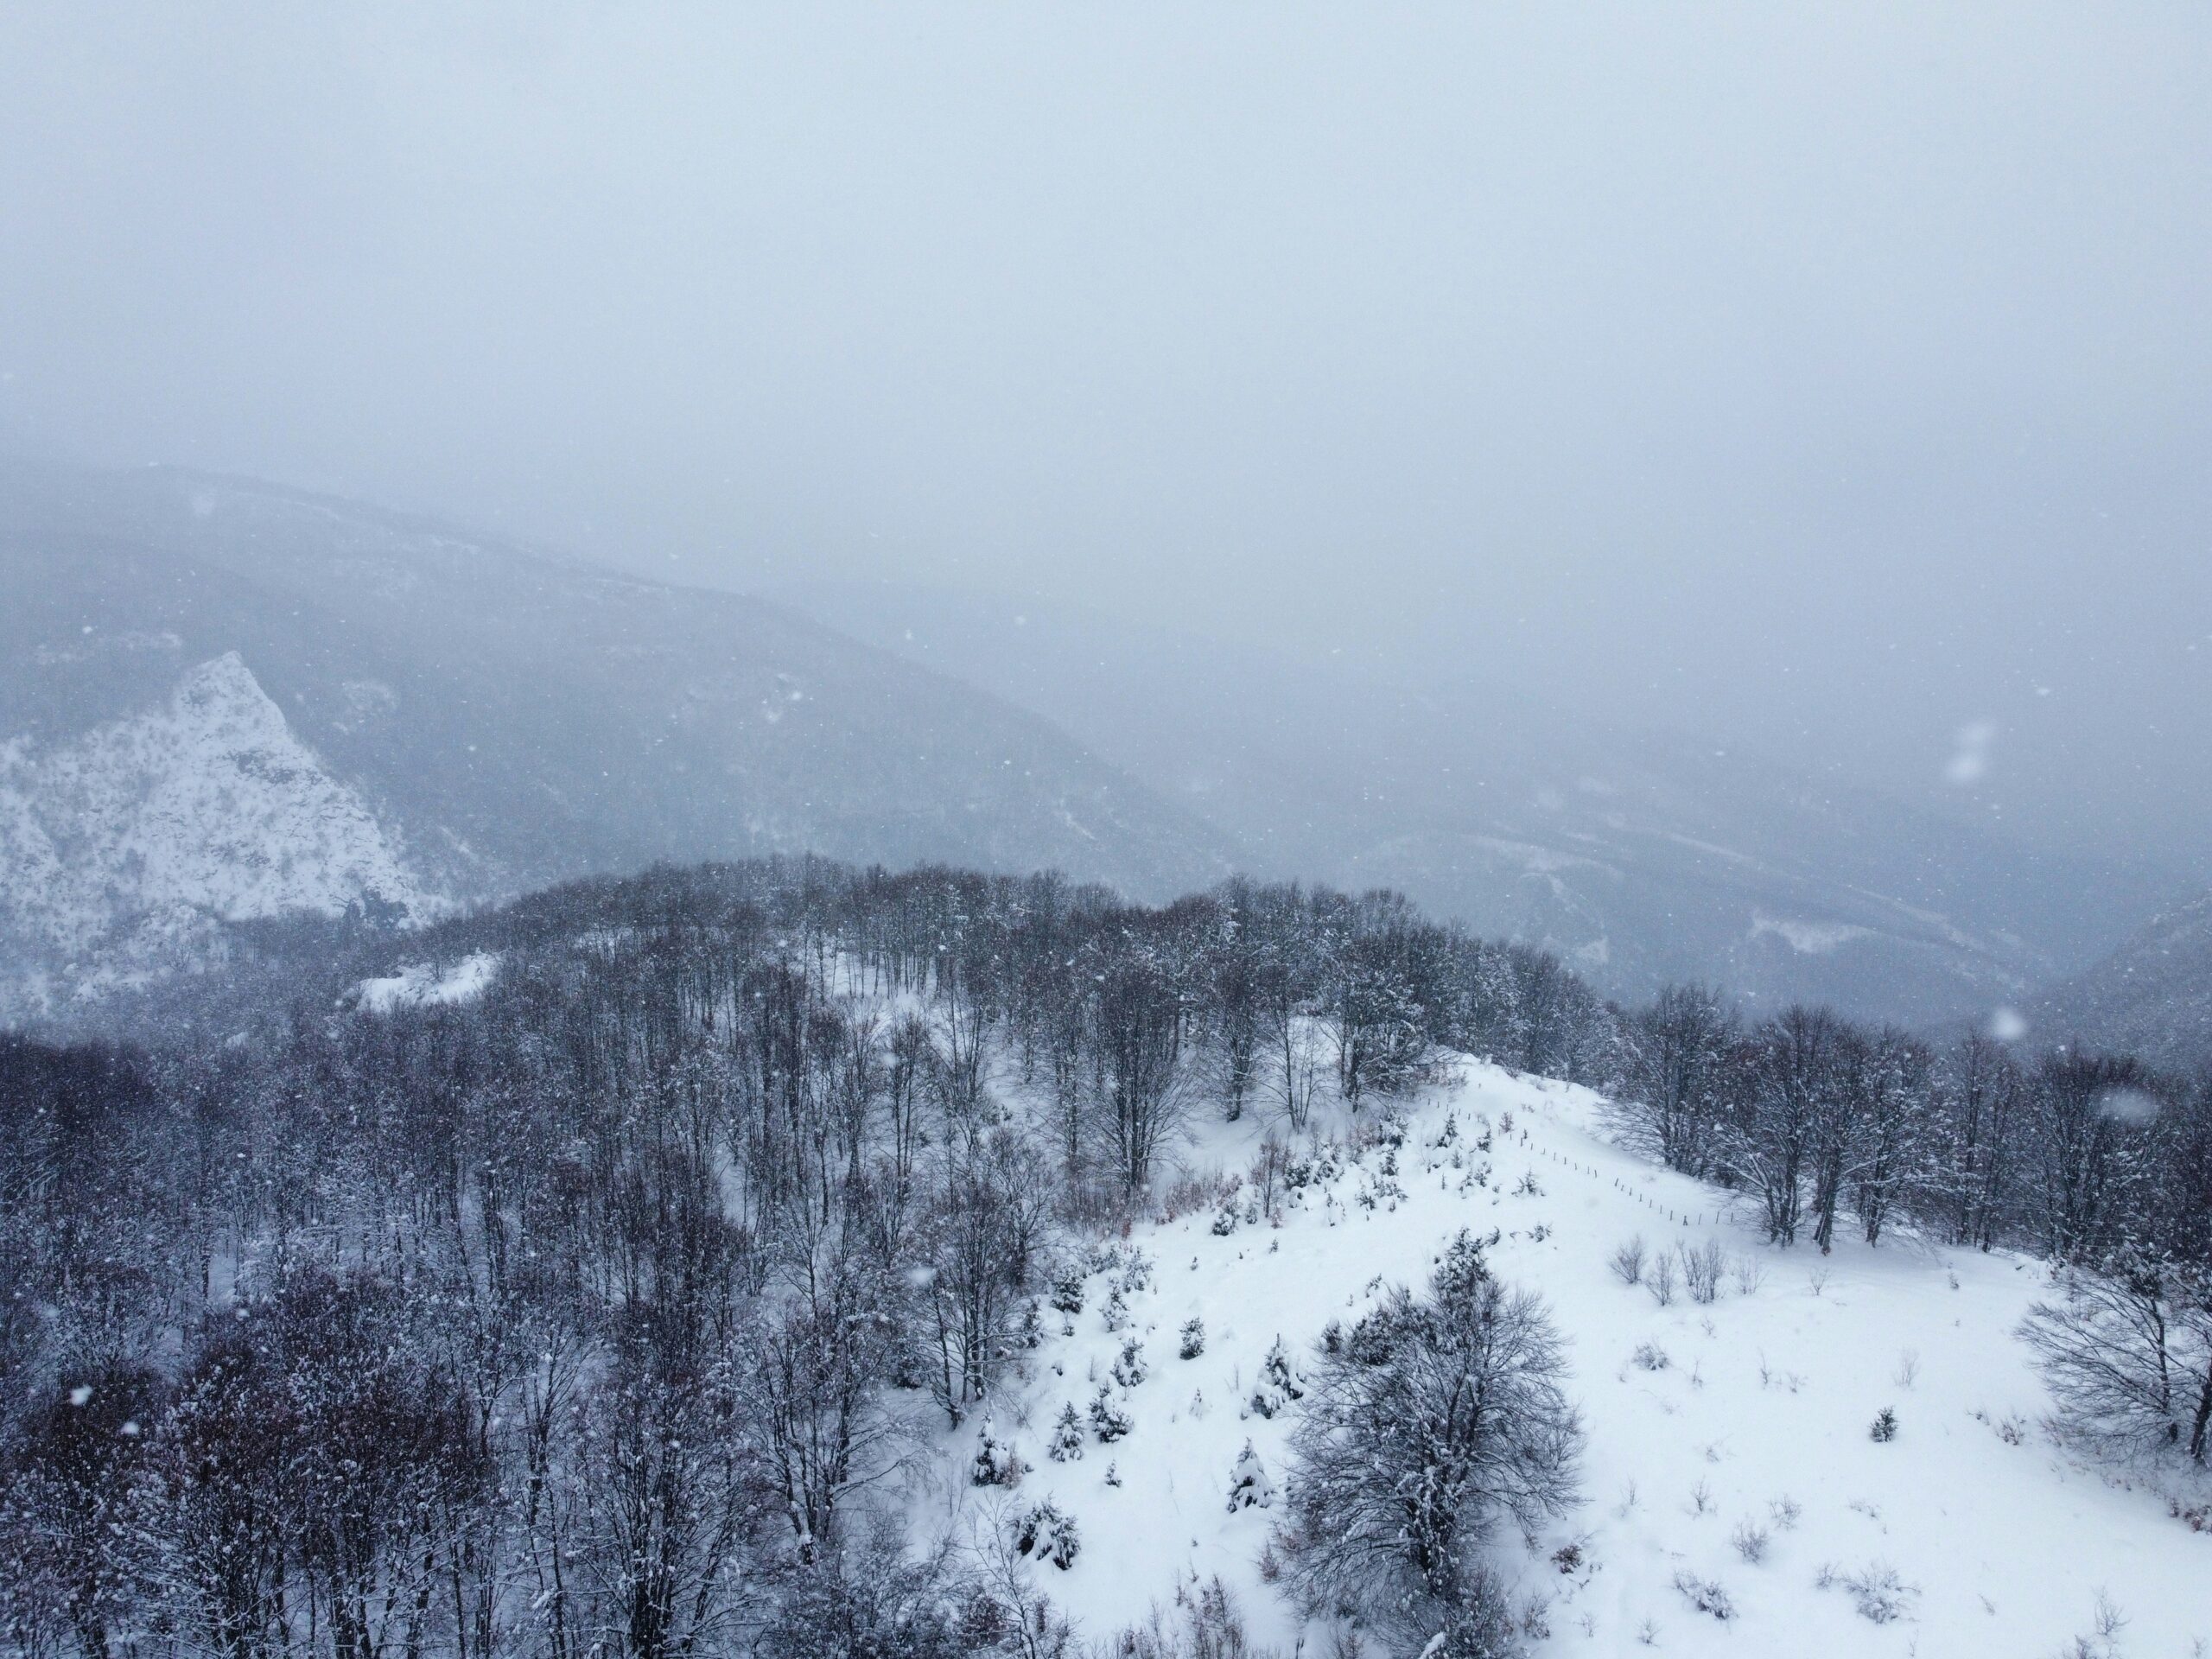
<point x="1833" y="379"/>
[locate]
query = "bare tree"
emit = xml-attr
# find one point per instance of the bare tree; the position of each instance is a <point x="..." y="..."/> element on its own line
<point x="2127" y="1354"/>
<point x="2081" y="1103"/>
<point x="1138" y="1030"/>
<point x="986" y="1241"/>
<point x="1779" y="1084"/>
<point x="1678" y="1048"/>
<point x="1975" y="1094"/>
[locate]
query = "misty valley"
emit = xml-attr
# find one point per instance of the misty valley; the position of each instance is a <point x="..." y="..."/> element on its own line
<point x="1151" y="831"/>
<point x="418" y="1241"/>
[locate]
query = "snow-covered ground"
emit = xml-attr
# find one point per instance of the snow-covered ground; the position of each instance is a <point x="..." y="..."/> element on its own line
<point x="1758" y="1419"/>
<point x="421" y="983"/>
<point x="123" y="849"/>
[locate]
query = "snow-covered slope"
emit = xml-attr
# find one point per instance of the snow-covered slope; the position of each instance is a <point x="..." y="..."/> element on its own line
<point x="2151" y="997"/>
<point x="1642" y="857"/>
<point x="517" y="719"/>
<point x="1749" y="1415"/>
<point x="422" y="984"/>
<point x="123" y="848"/>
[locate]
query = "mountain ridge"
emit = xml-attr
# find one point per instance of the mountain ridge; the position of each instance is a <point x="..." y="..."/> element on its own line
<point x="1642" y="857"/>
<point x="127" y="850"/>
<point x="2151" y="997"/>
<point x="517" y="718"/>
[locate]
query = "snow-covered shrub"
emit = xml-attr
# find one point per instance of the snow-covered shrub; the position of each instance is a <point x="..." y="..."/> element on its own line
<point x="1279" y="1384"/>
<point x="1194" y="1338"/>
<point x="2103" y="1641"/>
<point x="1067" y="1290"/>
<point x="1135" y="1271"/>
<point x="994" y="1462"/>
<point x="1224" y="1221"/>
<point x="1249" y="1485"/>
<point x="1884" y="1428"/>
<point x="1324" y="1166"/>
<point x="1205" y="1623"/>
<point x="1660" y="1282"/>
<point x="1116" y="1313"/>
<point x="1045" y="1532"/>
<point x="1378" y="1191"/>
<point x="1108" y="1420"/>
<point x="1878" y="1594"/>
<point x="1702" y="1269"/>
<point x="1750" y="1542"/>
<point x="1066" y="1444"/>
<point x="1650" y="1356"/>
<point x="1128" y="1365"/>
<point x="1627" y="1260"/>
<point x="1269" y="1563"/>
<point x="1707" y="1595"/>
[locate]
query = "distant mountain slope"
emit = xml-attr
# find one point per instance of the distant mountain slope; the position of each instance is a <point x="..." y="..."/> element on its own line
<point x="1642" y="857"/>
<point x="504" y="718"/>
<point x="2151" y="997"/>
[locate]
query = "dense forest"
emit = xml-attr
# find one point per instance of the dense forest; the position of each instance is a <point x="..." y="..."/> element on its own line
<point x="596" y="1313"/>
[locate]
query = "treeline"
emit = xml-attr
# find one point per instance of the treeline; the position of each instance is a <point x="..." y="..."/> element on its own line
<point x="2075" y="1154"/>
<point x="599" y="1314"/>
<point x="2095" y="1161"/>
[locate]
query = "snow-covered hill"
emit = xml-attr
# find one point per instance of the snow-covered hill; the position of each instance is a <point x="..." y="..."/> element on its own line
<point x="513" y="719"/>
<point x="1729" y="1442"/>
<point x="2151" y="997"/>
<point x="1642" y="857"/>
<point x="124" y="849"/>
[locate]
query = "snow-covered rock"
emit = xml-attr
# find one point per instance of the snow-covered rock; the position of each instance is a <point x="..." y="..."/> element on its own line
<point x="124" y="849"/>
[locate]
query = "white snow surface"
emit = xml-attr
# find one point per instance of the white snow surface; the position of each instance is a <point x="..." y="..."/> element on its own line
<point x="1808" y="938"/>
<point x="122" y="847"/>
<point x="421" y="984"/>
<point x="2003" y="1540"/>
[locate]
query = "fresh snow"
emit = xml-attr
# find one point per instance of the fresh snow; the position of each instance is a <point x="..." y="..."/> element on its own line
<point x="2000" y="1542"/>
<point x="1807" y="939"/>
<point x="421" y="984"/>
<point x="123" y="848"/>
